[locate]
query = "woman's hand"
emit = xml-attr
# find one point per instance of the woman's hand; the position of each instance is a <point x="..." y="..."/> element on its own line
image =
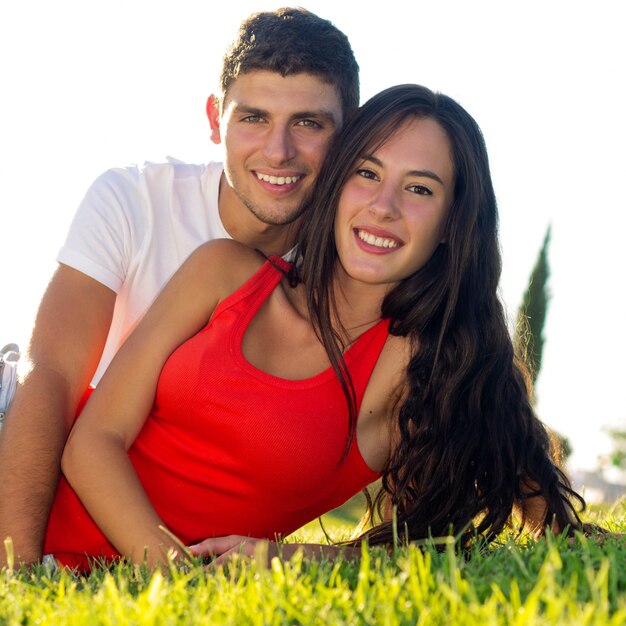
<point x="225" y="548"/>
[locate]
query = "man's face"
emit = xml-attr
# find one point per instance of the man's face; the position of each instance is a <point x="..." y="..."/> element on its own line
<point x="275" y="132"/>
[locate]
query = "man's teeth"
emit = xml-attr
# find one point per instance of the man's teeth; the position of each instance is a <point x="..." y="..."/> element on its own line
<point x="381" y="242"/>
<point x="277" y="180"/>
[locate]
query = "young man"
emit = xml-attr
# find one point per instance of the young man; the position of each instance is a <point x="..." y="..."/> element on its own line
<point x="288" y="82"/>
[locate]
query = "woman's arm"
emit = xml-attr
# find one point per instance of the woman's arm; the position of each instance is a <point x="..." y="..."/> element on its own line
<point x="95" y="460"/>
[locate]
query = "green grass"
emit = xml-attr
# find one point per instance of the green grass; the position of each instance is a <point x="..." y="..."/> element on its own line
<point x="515" y="582"/>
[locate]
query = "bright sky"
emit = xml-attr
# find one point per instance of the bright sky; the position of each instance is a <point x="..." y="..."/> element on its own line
<point x="91" y="84"/>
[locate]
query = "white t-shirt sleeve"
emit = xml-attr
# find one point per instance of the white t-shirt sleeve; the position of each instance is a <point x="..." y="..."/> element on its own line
<point x="99" y="241"/>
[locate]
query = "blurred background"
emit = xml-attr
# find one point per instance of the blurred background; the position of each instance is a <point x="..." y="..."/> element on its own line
<point x="88" y="85"/>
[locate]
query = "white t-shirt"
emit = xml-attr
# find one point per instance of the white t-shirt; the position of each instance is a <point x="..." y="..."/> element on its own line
<point x="134" y="229"/>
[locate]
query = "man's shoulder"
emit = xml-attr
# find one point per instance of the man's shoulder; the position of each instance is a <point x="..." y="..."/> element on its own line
<point x="182" y="169"/>
<point x="136" y="193"/>
<point x="171" y="168"/>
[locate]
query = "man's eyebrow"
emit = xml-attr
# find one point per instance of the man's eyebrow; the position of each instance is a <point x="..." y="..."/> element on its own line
<point x="319" y="114"/>
<point x="418" y="173"/>
<point x="322" y="114"/>
<point x="243" y="108"/>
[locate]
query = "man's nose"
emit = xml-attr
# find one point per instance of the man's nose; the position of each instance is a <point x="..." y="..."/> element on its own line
<point x="279" y="146"/>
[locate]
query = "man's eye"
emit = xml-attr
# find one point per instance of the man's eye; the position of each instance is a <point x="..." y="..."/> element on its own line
<point x="365" y="173"/>
<point x="252" y="119"/>
<point x="420" y="190"/>
<point x="309" y="124"/>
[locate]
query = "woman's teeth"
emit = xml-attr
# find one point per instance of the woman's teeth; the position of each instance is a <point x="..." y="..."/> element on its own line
<point x="380" y="242"/>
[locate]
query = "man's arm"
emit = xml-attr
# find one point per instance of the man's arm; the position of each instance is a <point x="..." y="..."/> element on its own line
<point x="65" y="346"/>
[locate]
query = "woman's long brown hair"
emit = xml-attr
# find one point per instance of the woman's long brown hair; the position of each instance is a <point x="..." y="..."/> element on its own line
<point x="468" y="445"/>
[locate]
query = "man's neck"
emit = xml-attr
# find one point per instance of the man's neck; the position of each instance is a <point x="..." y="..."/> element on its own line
<point x="245" y="227"/>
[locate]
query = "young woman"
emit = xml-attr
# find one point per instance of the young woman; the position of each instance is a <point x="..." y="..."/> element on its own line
<point x="250" y="401"/>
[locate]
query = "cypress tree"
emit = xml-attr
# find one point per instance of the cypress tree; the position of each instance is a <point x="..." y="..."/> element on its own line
<point x="529" y="340"/>
<point x="531" y="315"/>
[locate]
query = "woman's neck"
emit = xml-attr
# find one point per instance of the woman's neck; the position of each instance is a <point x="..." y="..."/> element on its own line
<point x="358" y="304"/>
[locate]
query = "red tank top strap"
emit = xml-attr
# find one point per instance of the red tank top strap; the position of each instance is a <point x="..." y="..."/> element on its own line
<point x="261" y="284"/>
<point x="363" y="354"/>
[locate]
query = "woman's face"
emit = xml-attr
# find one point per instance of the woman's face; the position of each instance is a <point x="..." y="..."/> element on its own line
<point x="392" y="209"/>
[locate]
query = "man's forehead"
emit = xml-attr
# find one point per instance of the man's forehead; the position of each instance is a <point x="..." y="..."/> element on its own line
<point x="269" y="91"/>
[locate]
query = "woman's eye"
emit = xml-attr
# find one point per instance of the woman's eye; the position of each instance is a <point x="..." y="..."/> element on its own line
<point x="365" y="173"/>
<point x="420" y="190"/>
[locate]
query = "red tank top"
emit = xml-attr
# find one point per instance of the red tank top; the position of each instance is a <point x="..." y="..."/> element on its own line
<point x="229" y="449"/>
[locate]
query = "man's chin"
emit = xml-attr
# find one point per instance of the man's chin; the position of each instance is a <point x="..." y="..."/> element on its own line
<point x="276" y="217"/>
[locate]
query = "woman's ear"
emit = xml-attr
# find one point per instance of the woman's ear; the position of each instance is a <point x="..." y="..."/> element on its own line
<point x="213" y="113"/>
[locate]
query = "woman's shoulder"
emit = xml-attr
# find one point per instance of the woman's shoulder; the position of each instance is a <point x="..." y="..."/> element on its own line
<point x="220" y="267"/>
<point x="394" y="358"/>
<point x="388" y="379"/>
<point x="226" y="263"/>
